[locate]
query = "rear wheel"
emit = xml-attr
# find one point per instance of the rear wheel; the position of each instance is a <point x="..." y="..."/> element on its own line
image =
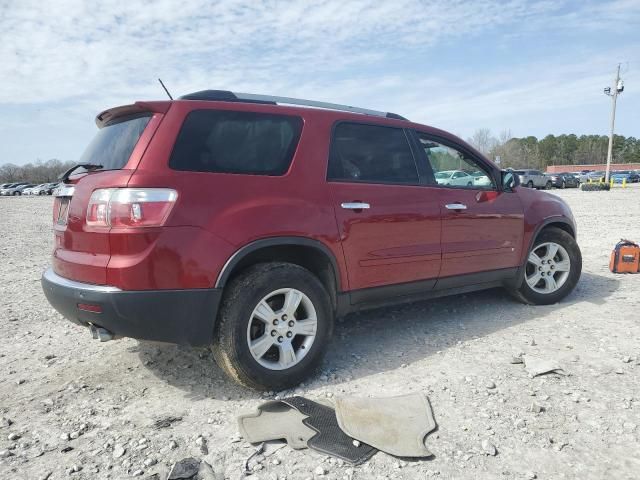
<point x="552" y="270"/>
<point x="530" y="184"/>
<point x="548" y="186"/>
<point x="273" y="327"/>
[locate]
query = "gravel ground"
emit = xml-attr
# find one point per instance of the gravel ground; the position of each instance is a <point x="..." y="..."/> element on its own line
<point x="74" y="408"/>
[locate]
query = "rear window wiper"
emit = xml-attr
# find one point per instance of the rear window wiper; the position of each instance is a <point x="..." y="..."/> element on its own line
<point x="90" y="167"/>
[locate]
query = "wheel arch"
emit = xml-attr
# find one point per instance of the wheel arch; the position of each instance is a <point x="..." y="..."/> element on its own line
<point x="561" y="222"/>
<point x="306" y="252"/>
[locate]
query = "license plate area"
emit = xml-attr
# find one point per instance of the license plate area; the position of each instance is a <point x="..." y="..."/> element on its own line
<point x="63" y="210"/>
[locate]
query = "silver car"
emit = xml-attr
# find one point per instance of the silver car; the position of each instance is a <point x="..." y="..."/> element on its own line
<point x="534" y="179"/>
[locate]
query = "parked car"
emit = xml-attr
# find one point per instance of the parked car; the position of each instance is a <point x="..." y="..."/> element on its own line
<point x="534" y="179"/>
<point x="454" y="177"/>
<point x="564" y="180"/>
<point x="15" y="189"/>
<point x="625" y="175"/>
<point x="596" y="176"/>
<point x="480" y="179"/>
<point x="43" y="189"/>
<point x="237" y="222"/>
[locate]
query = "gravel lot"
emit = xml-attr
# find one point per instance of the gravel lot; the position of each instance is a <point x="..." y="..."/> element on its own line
<point x="84" y="410"/>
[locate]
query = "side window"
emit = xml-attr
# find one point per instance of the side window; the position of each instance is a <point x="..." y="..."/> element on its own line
<point x="371" y="154"/>
<point x="224" y="141"/>
<point x="453" y="168"/>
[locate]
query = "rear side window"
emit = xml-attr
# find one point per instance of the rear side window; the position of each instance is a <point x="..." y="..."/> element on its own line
<point x="236" y="142"/>
<point x="113" y="144"/>
<point x="371" y="154"/>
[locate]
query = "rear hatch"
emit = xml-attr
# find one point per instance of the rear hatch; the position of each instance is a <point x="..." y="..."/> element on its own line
<point x="82" y="252"/>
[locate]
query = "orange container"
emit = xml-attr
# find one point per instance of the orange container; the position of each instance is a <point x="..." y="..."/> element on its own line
<point x="625" y="257"/>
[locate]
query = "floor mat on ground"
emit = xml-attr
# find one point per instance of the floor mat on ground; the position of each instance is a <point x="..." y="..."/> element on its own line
<point x="394" y="425"/>
<point x="330" y="439"/>
<point x="273" y="421"/>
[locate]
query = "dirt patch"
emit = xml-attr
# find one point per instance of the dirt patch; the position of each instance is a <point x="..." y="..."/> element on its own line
<point x="75" y="408"/>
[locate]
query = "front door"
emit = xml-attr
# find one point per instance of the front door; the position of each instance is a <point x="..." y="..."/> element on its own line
<point x="482" y="226"/>
<point x="389" y="223"/>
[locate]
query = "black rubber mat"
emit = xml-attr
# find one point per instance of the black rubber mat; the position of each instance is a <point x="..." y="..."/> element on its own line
<point x="330" y="439"/>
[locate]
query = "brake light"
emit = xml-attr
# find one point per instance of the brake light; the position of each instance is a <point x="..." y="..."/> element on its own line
<point x="130" y="207"/>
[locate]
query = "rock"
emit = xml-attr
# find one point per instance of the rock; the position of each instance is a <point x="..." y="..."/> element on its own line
<point x="165" y="422"/>
<point x="5" y="453"/>
<point x="184" y="469"/>
<point x="118" y="451"/>
<point x="535" y="408"/>
<point x="516" y="360"/>
<point x="74" y="469"/>
<point x="5" y="422"/>
<point x="74" y="435"/>
<point x="490" y="385"/>
<point x="626" y="359"/>
<point x="137" y="473"/>
<point x="206" y="472"/>
<point x="45" y="475"/>
<point x="531" y="475"/>
<point x="65" y="436"/>
<point x="275" y="461"/>
<point x="489" y="448"/>
<point x="356" y="443"/>
<point x="13" y="436"/>
<point x="150" y="462"/>
<point x="320" y="470"/>
<point x="173" y="444"/>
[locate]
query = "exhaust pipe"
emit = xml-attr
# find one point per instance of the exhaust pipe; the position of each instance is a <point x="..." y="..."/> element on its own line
<point x="99" y="333"/>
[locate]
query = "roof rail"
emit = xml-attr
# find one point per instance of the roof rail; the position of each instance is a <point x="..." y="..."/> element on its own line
<point x="228" y="96"/>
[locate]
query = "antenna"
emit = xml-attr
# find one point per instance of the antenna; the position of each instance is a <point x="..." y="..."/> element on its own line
<point x="165" y="89"/>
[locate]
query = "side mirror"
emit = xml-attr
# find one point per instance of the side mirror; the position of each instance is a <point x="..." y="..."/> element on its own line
<point x="509" y="180"/>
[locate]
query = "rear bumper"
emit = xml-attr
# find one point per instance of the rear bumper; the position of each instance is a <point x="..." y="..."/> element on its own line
<point x="176" y="316"/>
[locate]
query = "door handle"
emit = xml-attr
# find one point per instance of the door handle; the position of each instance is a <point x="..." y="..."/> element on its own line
<point x="456" y="206"/>
<point x="355" y="205"/>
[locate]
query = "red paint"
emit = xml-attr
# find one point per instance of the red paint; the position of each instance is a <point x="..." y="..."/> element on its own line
<point x="406" y="235"/>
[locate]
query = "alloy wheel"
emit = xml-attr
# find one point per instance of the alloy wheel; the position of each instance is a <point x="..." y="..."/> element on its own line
<point x="547" y="268"/>
<point x="282" y="329"/>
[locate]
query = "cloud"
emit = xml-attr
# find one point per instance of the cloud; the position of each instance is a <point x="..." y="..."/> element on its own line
<point x="72" y="58"/>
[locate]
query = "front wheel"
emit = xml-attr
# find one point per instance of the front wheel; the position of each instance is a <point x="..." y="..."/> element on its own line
<point x="530" y="184"/>
<point x="553" y="268"/>
<point x="548" y="186"/>
<point x="273" y="327"/>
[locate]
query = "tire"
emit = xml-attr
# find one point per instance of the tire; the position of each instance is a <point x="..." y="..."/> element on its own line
<point x="238" y="325"/>
<point x="568" y="248"/>
<point x="469" y="184"/>
<point x="548" y="186"/>
<point x="530" y="184"/>
<point x="564" y="184"/>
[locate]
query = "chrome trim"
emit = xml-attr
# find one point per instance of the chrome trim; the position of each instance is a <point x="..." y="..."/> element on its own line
<point x="456" y="206"/>
<point x="64" y="191"/>
<point x="53" y="277"/>
<point x="355" y="205"/>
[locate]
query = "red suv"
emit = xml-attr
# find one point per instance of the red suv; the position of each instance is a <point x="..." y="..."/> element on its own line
<point x="248" y="223"/>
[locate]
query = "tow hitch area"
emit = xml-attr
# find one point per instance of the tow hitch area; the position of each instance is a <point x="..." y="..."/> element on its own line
<point x="100" y="333"/>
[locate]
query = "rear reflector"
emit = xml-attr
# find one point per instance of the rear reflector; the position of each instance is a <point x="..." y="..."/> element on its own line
<point x="130" y="207"/>
<point x="90" y="308"/>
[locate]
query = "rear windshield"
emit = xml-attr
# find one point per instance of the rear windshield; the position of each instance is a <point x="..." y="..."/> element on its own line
<point x="236" y="142"/>
<point x="113" y="144"/>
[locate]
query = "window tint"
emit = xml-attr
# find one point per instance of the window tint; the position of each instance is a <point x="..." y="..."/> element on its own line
<point x="113" y="144"/>
<point x="370" y="153"/>
<point x="453" y="168"/>
<point x="236" y="142"/>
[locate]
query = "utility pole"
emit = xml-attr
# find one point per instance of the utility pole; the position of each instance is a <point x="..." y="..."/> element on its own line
<point x="617" y="87"/>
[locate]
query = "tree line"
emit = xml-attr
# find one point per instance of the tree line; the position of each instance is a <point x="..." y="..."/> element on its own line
<point x="36" y="172"/>
<point x="529" y="152"/>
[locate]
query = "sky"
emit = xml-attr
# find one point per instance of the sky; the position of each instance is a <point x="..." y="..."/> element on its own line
<point x="533" y="68"/>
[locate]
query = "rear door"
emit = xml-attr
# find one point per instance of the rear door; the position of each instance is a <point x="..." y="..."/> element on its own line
<point x="482" y="227"/>
<point x="389" y="222"/>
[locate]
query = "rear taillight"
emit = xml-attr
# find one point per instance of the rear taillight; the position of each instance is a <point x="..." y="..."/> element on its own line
<point x="130" y="207"/>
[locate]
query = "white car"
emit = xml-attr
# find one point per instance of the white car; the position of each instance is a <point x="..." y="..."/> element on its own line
<point x="454" y="177"/>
